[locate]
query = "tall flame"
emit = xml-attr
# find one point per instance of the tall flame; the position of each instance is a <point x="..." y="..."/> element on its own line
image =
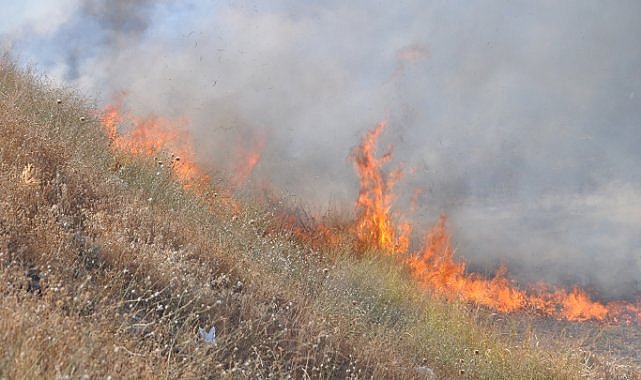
<point x="374" y="225"/>
<point x="435" y="266"/>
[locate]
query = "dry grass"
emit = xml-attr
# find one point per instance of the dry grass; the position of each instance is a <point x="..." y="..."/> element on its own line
<point x="108" y="269"/>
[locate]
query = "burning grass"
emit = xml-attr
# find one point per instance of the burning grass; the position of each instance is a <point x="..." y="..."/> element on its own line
<point x="435" y="266"/>
<point x="165" y="139"/>
<point x="109" y="264"/>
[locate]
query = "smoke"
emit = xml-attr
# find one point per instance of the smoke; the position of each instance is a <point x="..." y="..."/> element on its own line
<point x="521" y="121"/>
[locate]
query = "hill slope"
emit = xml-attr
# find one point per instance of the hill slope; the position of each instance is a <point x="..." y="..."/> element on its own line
<point x="108" y="267"/>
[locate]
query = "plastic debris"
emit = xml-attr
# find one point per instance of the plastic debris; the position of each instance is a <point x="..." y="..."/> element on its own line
<point x="208" y="337"/>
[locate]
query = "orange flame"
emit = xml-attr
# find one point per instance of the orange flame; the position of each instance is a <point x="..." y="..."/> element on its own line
<point x="309" y="231"/>
<point x="435" y="266"/>
<point x="246" y="160"/>
<point x="374" y="225"/>
<point x="152" y="137"/>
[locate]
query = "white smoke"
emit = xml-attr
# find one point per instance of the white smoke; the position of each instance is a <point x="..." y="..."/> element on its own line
<point x="521" y="121"/>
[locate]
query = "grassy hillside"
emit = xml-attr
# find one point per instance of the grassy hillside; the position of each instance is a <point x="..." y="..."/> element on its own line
<point x="108" y="268"/>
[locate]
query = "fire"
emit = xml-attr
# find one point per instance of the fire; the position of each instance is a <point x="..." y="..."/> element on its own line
<point x="435" y="266"/>
<point x="154" y="137"/>
<point x="374" y="225"/>
<point x="578" y="306"/>
<point x="317" y="235"/>
<point x="246" y="161"/>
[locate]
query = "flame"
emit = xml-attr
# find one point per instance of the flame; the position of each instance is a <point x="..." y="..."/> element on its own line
<point x="246" y="160"/>
<point x="318" y="235"/>
<point x="374" y="225"/>
<point x="435" y="266"/>
<point x="154" y="137"/>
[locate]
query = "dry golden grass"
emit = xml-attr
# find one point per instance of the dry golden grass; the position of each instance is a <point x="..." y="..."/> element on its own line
<point x="108" y="269"/>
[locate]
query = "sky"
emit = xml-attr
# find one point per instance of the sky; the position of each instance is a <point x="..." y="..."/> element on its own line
<point x="520" y="120"/>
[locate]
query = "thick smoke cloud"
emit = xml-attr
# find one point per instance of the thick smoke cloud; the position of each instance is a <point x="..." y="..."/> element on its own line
<point x="521" y="121"/>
